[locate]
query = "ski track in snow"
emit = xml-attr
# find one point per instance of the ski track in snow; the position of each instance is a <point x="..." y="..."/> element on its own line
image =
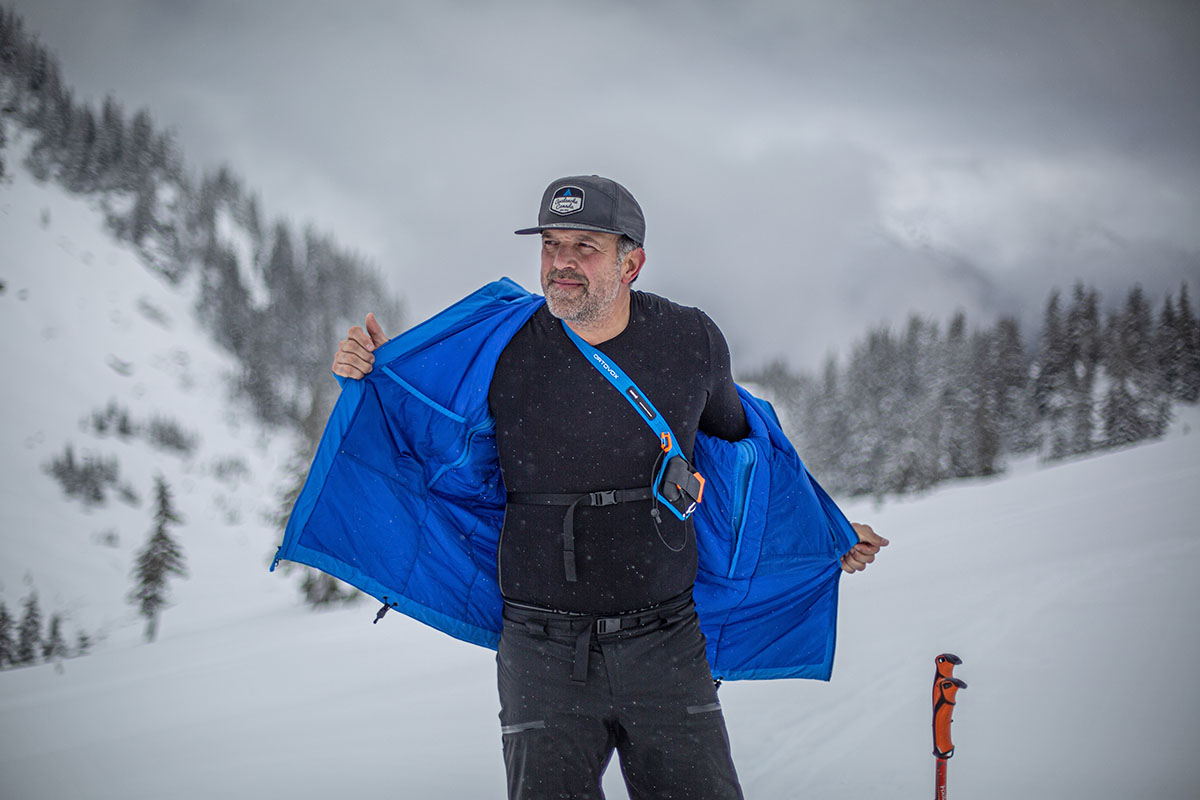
<point x="1068" y="590"/>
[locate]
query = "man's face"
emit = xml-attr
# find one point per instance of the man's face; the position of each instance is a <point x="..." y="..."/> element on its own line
<point x="581" y="276"/>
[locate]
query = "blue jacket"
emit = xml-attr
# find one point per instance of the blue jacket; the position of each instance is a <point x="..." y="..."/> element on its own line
<point x="405" y="501"/>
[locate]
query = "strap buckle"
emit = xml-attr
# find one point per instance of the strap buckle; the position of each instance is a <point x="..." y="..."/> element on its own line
<point x="608" y="497"/>
<point x="608" y="625"/>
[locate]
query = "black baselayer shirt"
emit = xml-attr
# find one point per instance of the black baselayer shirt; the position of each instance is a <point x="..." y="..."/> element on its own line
<point x="561" y="427"/>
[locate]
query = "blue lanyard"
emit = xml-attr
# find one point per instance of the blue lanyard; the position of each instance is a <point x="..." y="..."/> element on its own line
<point x="645" y="409"/>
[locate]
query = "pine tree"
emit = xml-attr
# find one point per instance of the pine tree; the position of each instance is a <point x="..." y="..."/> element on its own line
<point x="1051" y="390"/>
<point x="3" y="145"/>
<point x="926" y="378"/>
<point x="868" y="393"/>
<point x="10" y="28"/>
<point x="280" y="273"/>
<point x="1084" y="351"/>
<point x="1136" y="406"/>
<point x="136" y="161"/>
<point x="1008" y="381"/>
<point x="985" y="429"/>
<point x="322" y="589"/>
<point x="957" y="400"/>
<point x="224" y="300"/>
<point x="110" y="145"/>
<point x="54" y="647"/>
<point x="141" y="221"/>
<point x="1188" y="332"/>
<point x="29" y="632"/>
<point x="78" y="171"/>
<point x="158" y="560"/>
<point x="8" y="647"/>
<point x="1168" y="350"/>
<point x="55" y="115"/>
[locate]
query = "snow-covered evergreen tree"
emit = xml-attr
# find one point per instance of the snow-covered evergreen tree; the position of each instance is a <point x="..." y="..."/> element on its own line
<point x="3" y="144"/>
<point x="869" y="397"/>
<point x="914" y="436"/>
<point x="78" y="169"/>
<point x="1136" y="406"/>
<point x="1008" y="382"/>
<point x="8" y="646"/>
<point x="1052" y="392"/>
<point x="54" y="647"/>
<point x="157" y="561"/>
<point x="29" y="632"/>
<point x="984" y="444"/>
<point x="110" y="143"/>
<point x="957" y="400"/>
<point x="1187" y="330"/>
<point x="1084" y="338"/>
<point x="1168" y="350"/>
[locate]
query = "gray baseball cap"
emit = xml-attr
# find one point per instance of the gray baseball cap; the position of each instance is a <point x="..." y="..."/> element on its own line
<point x="590" y="203"/>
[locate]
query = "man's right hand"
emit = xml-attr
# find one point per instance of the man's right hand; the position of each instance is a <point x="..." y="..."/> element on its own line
<point x="355" y="354"/>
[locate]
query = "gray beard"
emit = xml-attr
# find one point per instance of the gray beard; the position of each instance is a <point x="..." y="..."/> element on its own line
<point x="585" y="307"/>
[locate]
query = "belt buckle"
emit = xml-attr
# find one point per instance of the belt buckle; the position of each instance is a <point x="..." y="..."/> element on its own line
<point x="608" y="625"/>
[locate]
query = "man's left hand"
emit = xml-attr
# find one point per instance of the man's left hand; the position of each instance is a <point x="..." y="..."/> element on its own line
<point x="863" y="553"/>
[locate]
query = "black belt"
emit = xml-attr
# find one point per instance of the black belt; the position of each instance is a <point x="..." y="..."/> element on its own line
<point x="543" y="620"/>
<point x="607" y="497"/>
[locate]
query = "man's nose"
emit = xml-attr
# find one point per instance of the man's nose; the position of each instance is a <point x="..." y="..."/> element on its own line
<point x="564" y="258"/>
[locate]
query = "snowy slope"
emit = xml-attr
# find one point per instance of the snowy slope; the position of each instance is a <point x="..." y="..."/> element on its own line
<point x="83" y="324"/>
<point x="1068" y="590"/>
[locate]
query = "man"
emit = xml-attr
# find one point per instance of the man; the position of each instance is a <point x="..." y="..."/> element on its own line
<point x="601" y="647"/>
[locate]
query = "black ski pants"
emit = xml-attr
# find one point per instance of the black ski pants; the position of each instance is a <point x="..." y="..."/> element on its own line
<point x="573" y="689"/>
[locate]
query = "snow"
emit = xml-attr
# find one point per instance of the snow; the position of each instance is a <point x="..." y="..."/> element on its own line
<point x="1067" y="589"/>
<point x="1068" y="594"/>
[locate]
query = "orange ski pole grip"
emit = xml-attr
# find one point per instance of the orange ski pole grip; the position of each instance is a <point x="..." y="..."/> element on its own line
<point x="945" y="690"/>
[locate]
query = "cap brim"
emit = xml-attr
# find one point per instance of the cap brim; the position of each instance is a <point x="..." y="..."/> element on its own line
<point x="566" y="226"/>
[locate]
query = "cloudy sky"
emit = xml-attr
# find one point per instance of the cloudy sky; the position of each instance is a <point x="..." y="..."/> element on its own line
<point x="808" y="169"/>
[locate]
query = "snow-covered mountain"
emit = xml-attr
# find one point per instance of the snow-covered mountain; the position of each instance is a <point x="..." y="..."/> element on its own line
<point x="1069" y="592"/>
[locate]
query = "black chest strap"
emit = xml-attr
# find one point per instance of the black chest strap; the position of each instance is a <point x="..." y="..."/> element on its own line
<point x="608" y="497"/>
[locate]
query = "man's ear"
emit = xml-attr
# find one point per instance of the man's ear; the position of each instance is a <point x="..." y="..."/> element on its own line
<point x="633" y="265"/>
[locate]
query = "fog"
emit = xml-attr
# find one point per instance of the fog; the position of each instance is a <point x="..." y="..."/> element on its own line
<point x="808" y="170"/>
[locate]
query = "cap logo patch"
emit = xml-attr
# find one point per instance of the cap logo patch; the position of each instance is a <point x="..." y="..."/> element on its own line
<point x="567" y="200"/>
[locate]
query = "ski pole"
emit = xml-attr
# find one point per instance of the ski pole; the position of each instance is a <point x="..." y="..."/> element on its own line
<point x="945" y="689"/>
